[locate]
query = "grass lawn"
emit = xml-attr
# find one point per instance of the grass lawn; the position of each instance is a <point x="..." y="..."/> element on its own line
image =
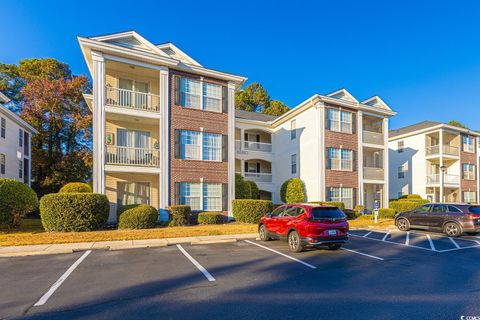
<point x="31" y="232"/>
<point x="365" y="222"/>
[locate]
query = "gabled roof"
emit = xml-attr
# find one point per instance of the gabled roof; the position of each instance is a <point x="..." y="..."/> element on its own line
<point x="4" y="98"/>
<point x="174" y="52"/>
<point x="13" y="116"/>
<point x="342" y="94"/>
<point x="130" y="40"/>
<point x="256" y="116"/>
<point x="412" y="128"/>
<point x="376" y="101"/>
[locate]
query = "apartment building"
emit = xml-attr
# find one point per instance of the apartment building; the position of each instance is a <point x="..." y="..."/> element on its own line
<point x="15" y="145"/>
<point x="440" y="162"/>
<point x="337" y="145"/>
<point x="163" y="125"/>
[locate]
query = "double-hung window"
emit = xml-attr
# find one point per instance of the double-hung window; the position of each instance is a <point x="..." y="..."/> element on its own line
<point x="340" y="121"/>
<point x="3" y="127"/>
<point x="400" y="146"/>
<point x="212" y="146"/>
<point x="469" y="196"/>
<point x="340" y="159"/>
<point x="2" y="163"/>
<point x="468" y="144"/>
<point x="339" y="194"/>
<point x="196" y="94"/>
<point x="468" y="171"/>
<point x="212" y="97"/>
<point x="201" y="196"/>
<point x="20" y="137"/>
<point x="20" y="169"/>
<point x="212" y="196"/>
<point x="402" y="170"/>
<point x="196" y="145"/>
<point x="293" y="160"/>
<point x="190" y="145"/>
<point x="190" y="93"/>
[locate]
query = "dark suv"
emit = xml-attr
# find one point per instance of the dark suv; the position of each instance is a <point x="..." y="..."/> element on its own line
<point x="452" y="219"/>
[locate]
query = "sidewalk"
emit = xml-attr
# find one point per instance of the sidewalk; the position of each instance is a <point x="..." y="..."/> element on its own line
<point x="42" y="249"/>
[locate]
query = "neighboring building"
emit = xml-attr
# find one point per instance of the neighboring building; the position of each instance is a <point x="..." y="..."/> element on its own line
<point x="163" y="125"/>
<point x="334" y="143"/>
<point x="437" y="161"/>
<point x="15" y="145"/>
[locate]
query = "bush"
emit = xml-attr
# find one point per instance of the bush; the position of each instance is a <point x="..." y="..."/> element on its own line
<point x="242" y="188"/>
<point x="387" y="213"/>
<point x="210" y="218"/>
<point x="403" y="205"/>
<point x="338" y="204"/>
<point x="254" y="191"/>
<point x="410" y="196"/>
<point x="350" y="213"/>
<point x="16" y="200"/>
<point x="359" y="210"/>
<point x="76" y="187"/>
<point x="250" y="211"/>
<point x="292" y="191"/>
<point x="140" y="216"/>
<point x="73" y="211"/>
<point x="179" y="215"/>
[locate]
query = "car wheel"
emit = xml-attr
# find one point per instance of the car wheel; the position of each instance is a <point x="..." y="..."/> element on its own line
<point x="452" y="229"/>
<point x="294" y="242"/>
<point x="403" y="224"/>
<point x="263" y="233"/>
<point x="334" y="246"/>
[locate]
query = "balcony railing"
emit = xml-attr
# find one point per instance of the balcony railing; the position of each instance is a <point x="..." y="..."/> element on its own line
<point x="373" y="173"/>
<point x="130" y="156"/>
<point x="258" y="176"/>
<point x="132" y="99"/>
<point x="254" y="146"/>
<point x="373" y="137"/>
<point x="447" y="149"/>
<point x="448" y="179"/>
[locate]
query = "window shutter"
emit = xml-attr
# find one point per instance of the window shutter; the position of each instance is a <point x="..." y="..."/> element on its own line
<point x="177" y="143"/>
<point x="177" y="193"/>
<point x="463" y="171"/>
<point x="354" y="123"/>
<point x="327" y="123"/>
<point x="225" y="99"/>
<point x="461" y="143"/>
<point x="224" y="196"/>
<point x="177" y="90"/>
<point x="327" y="194"/>
<point x="354" y="160"/>
<point x="354" y="195"/>
<point x="327" y="158"/>
<point x="224" y="148"/>
<point x="258" y="167"/>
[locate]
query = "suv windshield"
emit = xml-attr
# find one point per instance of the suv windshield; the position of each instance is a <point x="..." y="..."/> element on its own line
<point x="325" y="213"/>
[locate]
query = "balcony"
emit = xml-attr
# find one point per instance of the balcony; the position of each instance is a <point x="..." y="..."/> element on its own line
<point x="449" y="179"/>
<point x="254" y="146"/>
<point x="129" y="99"/>
<point x="258" y="176"/>
<point x="371" y="137"/>
<point x="372" y="173"/>
<point x="130" y="156"/>
<point x="446" y="149"/>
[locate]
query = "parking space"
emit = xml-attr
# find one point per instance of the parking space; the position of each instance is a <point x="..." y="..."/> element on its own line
<point x="250" y="279"/>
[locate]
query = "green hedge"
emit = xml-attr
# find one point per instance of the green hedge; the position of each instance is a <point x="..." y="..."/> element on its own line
<point x="211" y="218"/>
<point x="254" y="190"/>
<point x="180" y="215"/>
<point x="338" y="204"/>
<point x="292" y="191"/>
<point x="351" y="214"/>
<point x="410" y="196"/>
<point x="402" y="206"/>
<point x="16" y="200"/>
<point x="242" y="188"/>
<point x="76" y="187"/>
<point x="140" y="216"/>
<point x="359" y="209"/>
<point x="250" y="211"/>
<point x="73" y="211"/>
<point x="386" y="213"/>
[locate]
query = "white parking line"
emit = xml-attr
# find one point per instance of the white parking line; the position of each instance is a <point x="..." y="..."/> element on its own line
<point x="397" y="243"/>
<point x="454" y="243"/>
<point x="367" y="234"/>
<point x="431" y="242"/>
<point x="407" y="239"/>
<point x="282" y="254"/>
<point x="385" y="236"/>
<point x="59" y="282"/>
<point x="363" y="254"/>
<point x="196" y="264"/>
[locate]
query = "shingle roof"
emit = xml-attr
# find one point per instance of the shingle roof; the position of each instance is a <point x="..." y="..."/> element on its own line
<point x="412" y="128"/>
<point x="248" y="115"/>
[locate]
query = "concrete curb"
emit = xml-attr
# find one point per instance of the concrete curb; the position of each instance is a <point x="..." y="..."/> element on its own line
<point x="46" y="249"/>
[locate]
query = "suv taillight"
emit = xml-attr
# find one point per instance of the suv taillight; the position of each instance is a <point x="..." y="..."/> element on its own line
<point x="472" y="215"/>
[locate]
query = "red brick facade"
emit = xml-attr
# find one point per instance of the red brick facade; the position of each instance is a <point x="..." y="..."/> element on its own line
<point x="468" y="158"/>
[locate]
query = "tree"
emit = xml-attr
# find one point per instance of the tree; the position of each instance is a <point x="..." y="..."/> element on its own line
<point x="254" y="190"/>
<point x="255" y="98"/>
<point x="276" y="108"/>
<point x="292" y="191"/>
<point x="50" y="99"/>
<point x="456" y="124"/>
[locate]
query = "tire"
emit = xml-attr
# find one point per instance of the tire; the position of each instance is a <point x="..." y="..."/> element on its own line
<point x="295" y="242"/>
<point x="334" y="246"/>
<point x="452" y="229"/>
<point x="263" y="233"/>
<point x="402" y="224"/>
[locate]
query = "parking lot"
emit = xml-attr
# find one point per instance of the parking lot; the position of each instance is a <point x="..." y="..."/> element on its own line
<point x="378" y="275"/>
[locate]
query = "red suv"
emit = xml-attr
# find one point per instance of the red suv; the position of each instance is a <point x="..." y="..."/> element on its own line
<point x="305" y="224"/>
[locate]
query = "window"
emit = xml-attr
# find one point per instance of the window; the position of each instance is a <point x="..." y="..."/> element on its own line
<point x="2" y="163"/>
<point x="26" y="142"/>
<point x="294" y="163"/>
<point x="212" y="196"/>
<point x="212" y="97"/>
<point x="133" y="193"/>
<point x="277" y="212"/>
<point x="190" y="145"/>
<point x="339" y="121"/>
<point x="340" y="159"/>
<point x="293" y="129"/>
<point x="327" y="213"/>
<point x="196" y="145"/>
<point x="208" y="199"/>
<point x="132" y="93"/>
<point x="439" y="208"/>
<point x="212" y="146"/>
<point x="344" y="195"/>
<point x="20" y="169"/>
<point x="424" y="208"/>
<point x="469" y="196"/>
<point x="468" y="171"/>
<point x="3" y="125"/>
<point x="20" y="137"/>
<point x="190" y="93"/>
<point x="468" y="144"/>
<point x="400" y="146"/>
<point x="402" y="170"/>
<point x="454" y="209"/>
<point x="200" y="95"/>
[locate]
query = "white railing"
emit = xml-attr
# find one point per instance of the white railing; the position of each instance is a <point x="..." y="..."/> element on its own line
<point x="254" y="146"/>
<point x="373" y="137"/>
<point x="132" y="99"/>
<point x="447" y="149"/>
<point x="132" y="156"/>
<point x="258" y="176"/>
<point x="448" y="179"/>
<point x="433" y="178"/>
<point x="373" y="173"/>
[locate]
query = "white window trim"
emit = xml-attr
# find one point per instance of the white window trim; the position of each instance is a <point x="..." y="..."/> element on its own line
<point x="340" y="160"/>
<point x="469" y="147"/>
<point x="201" y="196"/>
<point x="339" y="121"/>
<point x="468" y="174"/>
<point x="201" y="146"/>
<point x="341" y="197"/>
<point x="202" y="103"/>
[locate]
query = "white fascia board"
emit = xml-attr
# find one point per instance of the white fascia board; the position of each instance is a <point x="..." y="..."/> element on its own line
<point x="254" y="122"/>
<point x="4" y="98"/>
<point x="88" y="97"/>
<point x="180" y="52"/>
<point x="239" y="80"/>
<point x="15" y="118"/>
<point x="432" y="129"/>
<point x="345" y="91"/>
<point x="365" y="102"/>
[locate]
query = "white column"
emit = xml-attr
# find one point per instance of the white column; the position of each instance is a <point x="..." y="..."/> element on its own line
<point x="440" y="147"/>
<point x="361" y="190"/>
<point x="98" y="122"/>
<point x="242" y="139"/>
<point x="231" y="145"/>
<point x="386" y="172"/>
<point x="163" y="146"/>
<point x="321" y="151"/>
<point x="29" y="158"/>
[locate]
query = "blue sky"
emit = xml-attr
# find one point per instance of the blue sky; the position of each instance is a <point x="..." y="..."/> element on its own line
<point x="421" y="57"/>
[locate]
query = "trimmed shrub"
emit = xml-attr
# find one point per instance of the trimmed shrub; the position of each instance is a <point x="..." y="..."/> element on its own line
<point x="292" y="191"/>
<point x="250" y="211"/>
<point x="140" y="216"/>
<point x="254" y="191"/>
<point x="210" y="218"/>
<point x="73" y="211"/>
<point x="338" y="204"/>
<point x="386" y="213"/>
<point x="76" y="187"/>
<point x="16" y="200"/>
<point x="180" y="215"/>
<point x="242" y="188"/>
<point x="410" y="196"/>
<point x="403" y="205"/>
<point x="359" y="209"/>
